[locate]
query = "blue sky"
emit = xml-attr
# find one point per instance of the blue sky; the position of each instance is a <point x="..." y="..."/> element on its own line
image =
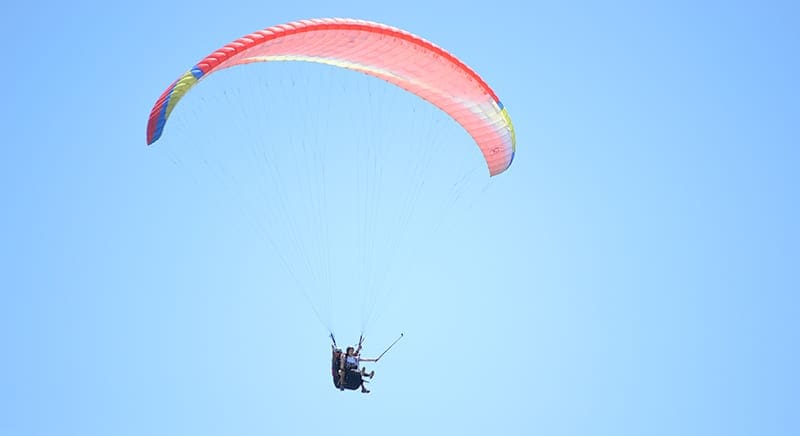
<point x="634" y="272"/>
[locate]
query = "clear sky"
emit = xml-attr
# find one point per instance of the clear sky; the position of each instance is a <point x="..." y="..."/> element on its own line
<point x="635" y="272"/>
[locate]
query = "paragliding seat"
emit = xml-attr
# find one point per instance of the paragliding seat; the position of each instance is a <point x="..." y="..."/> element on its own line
<point x="352" y="379"/>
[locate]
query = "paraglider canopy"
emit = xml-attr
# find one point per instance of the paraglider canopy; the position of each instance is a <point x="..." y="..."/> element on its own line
<point x="386" y="52"/>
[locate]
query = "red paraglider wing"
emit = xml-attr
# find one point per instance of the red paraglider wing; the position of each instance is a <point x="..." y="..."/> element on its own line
<point x="376" y="49"/>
